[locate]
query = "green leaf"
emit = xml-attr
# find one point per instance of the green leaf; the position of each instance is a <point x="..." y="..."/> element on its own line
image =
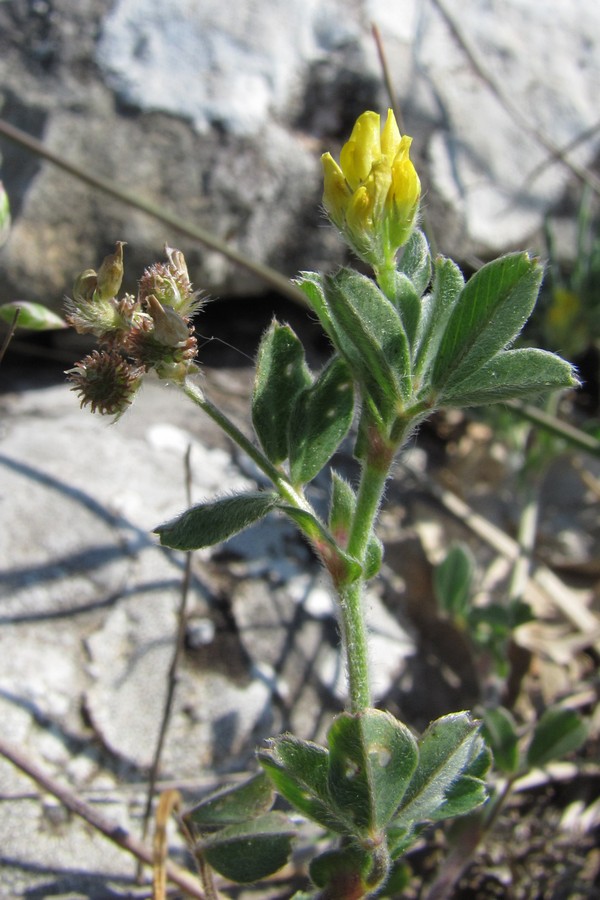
<point x="320" y="420"/>
<point x="373" y="557"/>
<point x="520" y="613"/>
<point x="452" y="580"/>
<point x="436" y="308"/>
<point x="250" y="851"/>
<point x="341" y="509"/>
<point x="469" y="791"/>
<point x="234" y="804"/>
<point x="34" y="316"/>
<point x="341" y="514"/>
<point x="401" y="838"/>
<point x="415" y="262"/>
<point x="298" y="769"/>
<point x="281" y="374"/>
<point x="4" y="215"/>
<point x="465" y="795"/>
<point x="559" y="731"/>
<point x="211" y="523"/>
<point x="482" y="760"/>
<point x="408" y="303"/>
<point x="372" y="758"/>
<point x="368" y="333"/>
<point x="511" y="374"/>
<point x="311" y="285"/>
<point x="490" y="312"/>
<point x="500" y="731"/>
<point x="446" y="750"/>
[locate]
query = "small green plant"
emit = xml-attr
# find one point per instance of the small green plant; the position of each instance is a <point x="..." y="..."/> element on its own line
<point x="490" y="628"/>
<point x="411" y="339"/>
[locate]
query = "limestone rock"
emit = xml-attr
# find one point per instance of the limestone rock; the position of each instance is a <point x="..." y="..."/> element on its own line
<point x="219" y="113"/>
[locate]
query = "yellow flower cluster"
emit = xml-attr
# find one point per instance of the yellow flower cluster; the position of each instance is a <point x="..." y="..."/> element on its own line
<point x="372" y="196"/>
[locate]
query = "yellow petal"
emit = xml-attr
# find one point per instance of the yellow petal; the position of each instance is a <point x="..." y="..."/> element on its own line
<point x="336" y="192"/>
<point x="359" y="212"/>
<point x="379" y="184"/>
<point x="406" y="186"/>
<point x="390" y="137"/>
<point x="363" y="148"/>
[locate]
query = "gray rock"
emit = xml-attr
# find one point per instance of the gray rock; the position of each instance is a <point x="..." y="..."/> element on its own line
<point x="88" y="614"/>
<point x="219" y="113"/>
<point x="241" y="64"/>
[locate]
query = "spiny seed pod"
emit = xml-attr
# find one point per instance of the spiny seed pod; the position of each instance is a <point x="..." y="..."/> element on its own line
<point x="105" y="381"/>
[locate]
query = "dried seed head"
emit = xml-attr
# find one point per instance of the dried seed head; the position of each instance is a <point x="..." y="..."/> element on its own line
<point x="105" y="381"/>
<point x="170" y="284"/>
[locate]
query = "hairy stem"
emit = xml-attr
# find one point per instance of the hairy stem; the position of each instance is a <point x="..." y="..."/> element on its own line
<point x="370" y="492"/>
<point x="355" y="644"/>
<point x="352" y="606"/>
<point x="274" y="474"/>
<point x="386" y="279"/>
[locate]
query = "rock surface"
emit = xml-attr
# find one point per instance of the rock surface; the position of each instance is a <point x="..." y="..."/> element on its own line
<point x="221" y="118"/>
<point x="88" y="615"/>
<point x="88" y="607"/>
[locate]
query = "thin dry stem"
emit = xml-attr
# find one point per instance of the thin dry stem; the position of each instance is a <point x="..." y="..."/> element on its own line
<point x="110" y="829"/>
<point x="172" y="675"/>
<point x="11" y="330"/>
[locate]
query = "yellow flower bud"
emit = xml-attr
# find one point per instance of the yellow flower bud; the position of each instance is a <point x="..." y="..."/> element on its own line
<point x="336" y="192"/>
<point x="372" y="196"/>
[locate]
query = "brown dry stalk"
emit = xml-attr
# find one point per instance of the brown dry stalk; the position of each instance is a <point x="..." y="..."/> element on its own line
<point x="169" y="801"/>
<point x="173" y="668"/>
<point x="110" y="829"/>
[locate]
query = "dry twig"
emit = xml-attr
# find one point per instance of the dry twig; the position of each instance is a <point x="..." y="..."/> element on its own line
<point x="110" y="829"/>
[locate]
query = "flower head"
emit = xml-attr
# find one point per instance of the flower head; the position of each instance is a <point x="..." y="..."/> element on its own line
<point x="164" y="342"/>
<point x="372" y="196"/>
<point x="152" y="330"/>
<point x="106" y="381"/>
<point x="170" y="284"/>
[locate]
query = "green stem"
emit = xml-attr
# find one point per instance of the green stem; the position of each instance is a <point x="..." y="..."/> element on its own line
<point x="375" y="471"/>
<point x="355" y="644"/>
<point x="370" y="492"/>
<point x="352" y="605"/>
<point x="278" y="478"/>
<point x="580" y="439"/>
<point x="386" y="279"/>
